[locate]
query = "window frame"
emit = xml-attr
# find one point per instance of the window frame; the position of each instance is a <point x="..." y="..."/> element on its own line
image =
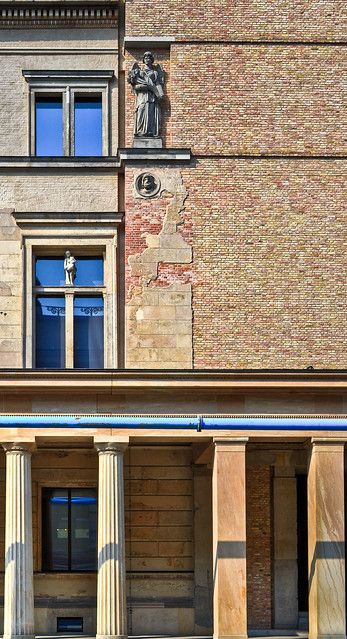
<point x="85" y="247"/>
<point x="69" y="84"/>
<point x="58" y="484"/>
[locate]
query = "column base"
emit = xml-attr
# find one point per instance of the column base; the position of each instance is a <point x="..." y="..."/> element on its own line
<point x="111" y="637"/>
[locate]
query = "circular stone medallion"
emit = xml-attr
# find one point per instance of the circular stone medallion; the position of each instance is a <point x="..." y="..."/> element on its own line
<point x="147" y="185"/>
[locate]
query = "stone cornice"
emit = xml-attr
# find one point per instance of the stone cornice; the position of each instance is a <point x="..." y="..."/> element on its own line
<point x="122" y="380"/>
<point x="17" y="15"/>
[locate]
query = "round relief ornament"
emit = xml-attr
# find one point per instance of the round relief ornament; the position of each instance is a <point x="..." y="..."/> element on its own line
<point x="147" y="185"/>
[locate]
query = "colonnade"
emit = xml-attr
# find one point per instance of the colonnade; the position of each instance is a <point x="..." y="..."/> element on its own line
<point x="327" y="609"/>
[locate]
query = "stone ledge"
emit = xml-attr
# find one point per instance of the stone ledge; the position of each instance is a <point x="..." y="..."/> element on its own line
<point x="27" y="162"/>
<point x="96" y="163"/>
<point x="145" y="42"/>
<point x="156" y="155"/>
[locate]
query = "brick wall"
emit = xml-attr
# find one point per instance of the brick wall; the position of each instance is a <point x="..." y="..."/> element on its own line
<point x="238" y="20"/>
<point x="259" y="547"/>
<point x="268" y="246"/>
<point x="254" y="100"/>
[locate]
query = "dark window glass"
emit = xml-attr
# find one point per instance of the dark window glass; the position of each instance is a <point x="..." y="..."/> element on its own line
<point x="69" y="624"/>
<point x="49" y="125"/>
<point x="83" y="529"/>
<point x="49" y="271"/>
<point x="88" y="125"/>
<point x="55" y="529"/>
<point x="88" y="332"/>
<point x="69" y="529"/>
<point x="50" y="332"/>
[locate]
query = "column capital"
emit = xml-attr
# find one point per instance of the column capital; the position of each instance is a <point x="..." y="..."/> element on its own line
<point x="230" y="443"/>
<point x="327" y="443"/>
<point x="111" y="444"/>
<point x="27" y="447"/>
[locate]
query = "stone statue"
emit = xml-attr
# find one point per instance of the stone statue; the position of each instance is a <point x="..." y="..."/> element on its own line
<point x="70" y="269"/>
<point x="148" y="85"/>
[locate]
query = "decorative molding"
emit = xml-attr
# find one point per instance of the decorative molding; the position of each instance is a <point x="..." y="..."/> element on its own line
<point x="105" y="163"/>
<point x="52" y="15"/>
<point x="48" y="221"/>
<point x="63" y="162"/>
<point x="57" y="51"/>
<point x="63" y="77"/>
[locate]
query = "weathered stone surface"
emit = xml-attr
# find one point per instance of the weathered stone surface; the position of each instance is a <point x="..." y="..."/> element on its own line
<point x="326" y="540"/>
<point x="159" y="319"/>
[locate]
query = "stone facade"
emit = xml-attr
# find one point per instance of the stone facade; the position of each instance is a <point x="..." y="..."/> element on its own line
<point x="224" y="322"/>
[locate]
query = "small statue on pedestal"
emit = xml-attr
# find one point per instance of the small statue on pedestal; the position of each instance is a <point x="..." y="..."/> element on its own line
<point x="70" y="269"/>
<point x="148" y="85"/>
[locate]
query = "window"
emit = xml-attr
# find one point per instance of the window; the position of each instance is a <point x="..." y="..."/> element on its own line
<point x="69" y="529"/>
<point x="69" y="311"/>
<point x="69" y="113"/>
<point x="78" y="324"/>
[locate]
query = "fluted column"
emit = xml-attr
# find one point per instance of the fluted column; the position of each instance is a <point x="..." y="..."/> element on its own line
<point x="111" y="595"/>
<point x="19" y="587"/>
<point x="326" y="540"/>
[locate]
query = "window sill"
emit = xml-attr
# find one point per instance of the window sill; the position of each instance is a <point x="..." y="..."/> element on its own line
<point x="19" y="162"/>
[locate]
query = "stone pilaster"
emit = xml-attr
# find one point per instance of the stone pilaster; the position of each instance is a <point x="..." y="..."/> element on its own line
<point x="326" y="540"/>
<point x="111" y="590"/>
<point x="19" y="587"/>
<point x="229" y="539"/>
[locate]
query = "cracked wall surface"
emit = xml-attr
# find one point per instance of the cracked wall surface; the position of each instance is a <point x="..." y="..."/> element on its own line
<point x="158" y="278"/>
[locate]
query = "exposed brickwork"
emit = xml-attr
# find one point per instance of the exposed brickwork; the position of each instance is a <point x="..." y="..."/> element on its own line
<point x="269" y="260"/>
<point x="158" y="258"/>
<point x="238" y="19"/>
<point x="258" y="99"/>
<point x="259" y="546"/>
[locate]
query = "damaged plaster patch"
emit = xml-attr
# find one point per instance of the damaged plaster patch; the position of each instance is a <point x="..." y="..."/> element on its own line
<point x="168" y="246"/>
<point x="159" y="318"/>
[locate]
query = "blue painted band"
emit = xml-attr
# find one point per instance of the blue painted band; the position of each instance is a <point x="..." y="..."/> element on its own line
<point x="193" y="422"/>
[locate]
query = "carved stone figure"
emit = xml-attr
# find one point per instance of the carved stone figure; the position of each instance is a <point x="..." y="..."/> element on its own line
<point x="147" y="185"/>
<point x="148" y="85"/>
<point x="70" y="269"/>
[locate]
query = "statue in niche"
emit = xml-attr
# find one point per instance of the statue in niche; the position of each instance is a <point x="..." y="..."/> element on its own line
<point x="148" y="85"/>
<point x="70" y="269"/>
<point x="147" y="185"/>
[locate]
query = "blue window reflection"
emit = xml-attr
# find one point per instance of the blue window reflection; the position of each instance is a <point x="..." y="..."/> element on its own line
<point x="49" y="125"/>
<point x="88" y="125"/>
<point x="88" y="332"/>
<point x="50" y="332"/>
<point x="49" y="271"/>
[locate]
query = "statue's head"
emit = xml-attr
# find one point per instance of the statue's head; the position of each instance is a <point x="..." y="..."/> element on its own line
<point x="67" y="254"/>
<point x="148" y="58"/>
<point x="148" y="182"/>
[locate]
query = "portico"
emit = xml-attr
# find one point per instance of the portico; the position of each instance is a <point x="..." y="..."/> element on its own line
<point x="129" y="524"/>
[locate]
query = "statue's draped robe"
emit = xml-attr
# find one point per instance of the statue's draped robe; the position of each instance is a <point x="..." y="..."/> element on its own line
<point x="147" y="118"/>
